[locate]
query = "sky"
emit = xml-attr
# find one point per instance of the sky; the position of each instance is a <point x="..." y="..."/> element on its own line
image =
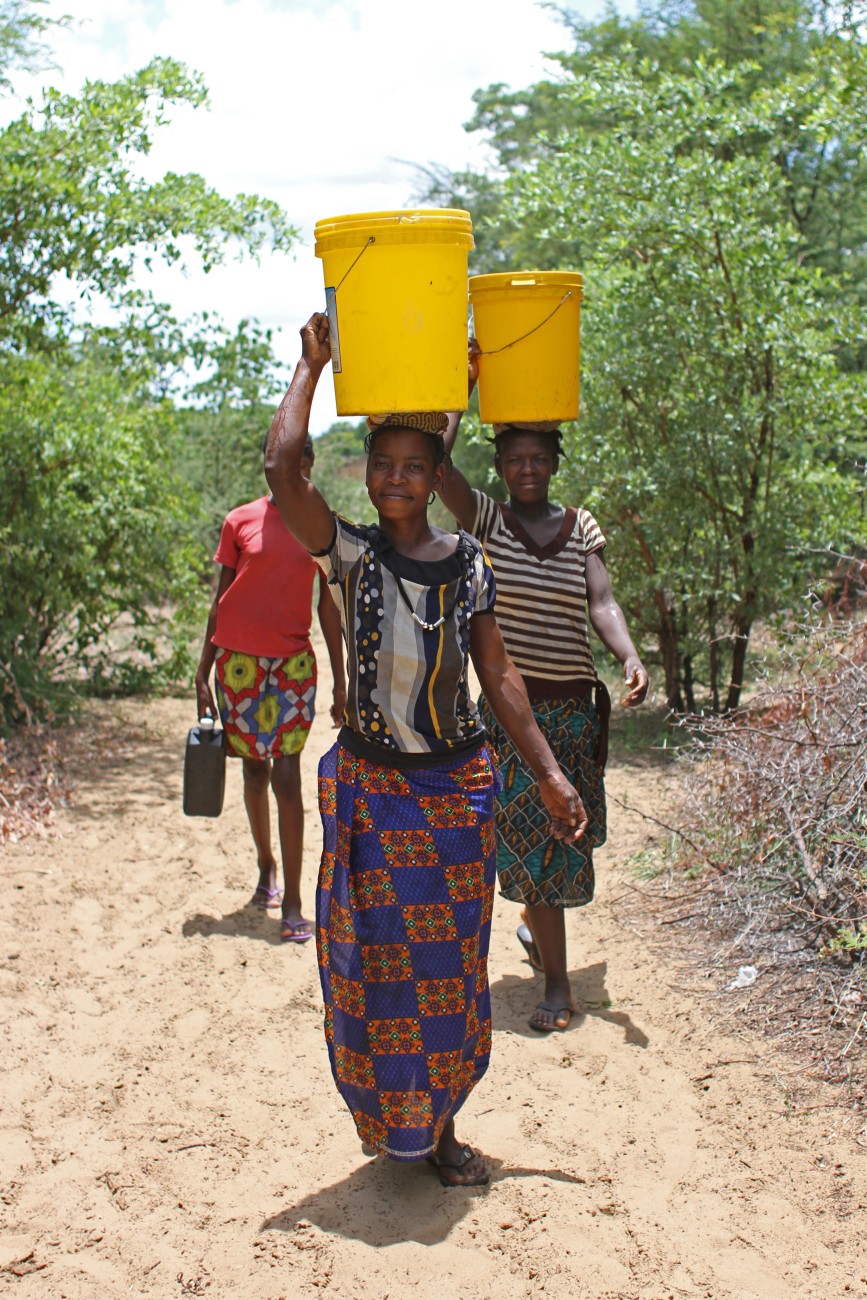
<point x="320" y="106"/>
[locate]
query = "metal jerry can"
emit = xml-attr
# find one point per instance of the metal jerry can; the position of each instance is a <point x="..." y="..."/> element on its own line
<point x="204" y="770"/>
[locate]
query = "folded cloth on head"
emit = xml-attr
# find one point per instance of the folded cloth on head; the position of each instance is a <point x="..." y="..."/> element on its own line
<point x="423" y="421"/>
<point x="528" y="426"/>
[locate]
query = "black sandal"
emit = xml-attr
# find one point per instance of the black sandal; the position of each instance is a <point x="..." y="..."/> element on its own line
<point x="526" y="942"/>
<point x="467" y="1154"/>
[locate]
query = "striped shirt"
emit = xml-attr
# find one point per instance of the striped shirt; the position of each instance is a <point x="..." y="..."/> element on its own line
<point x="408" y="692"/>
<point x="542" y="595"/>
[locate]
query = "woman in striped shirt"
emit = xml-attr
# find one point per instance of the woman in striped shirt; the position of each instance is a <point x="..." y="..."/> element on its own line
<point x="550" y="576"/>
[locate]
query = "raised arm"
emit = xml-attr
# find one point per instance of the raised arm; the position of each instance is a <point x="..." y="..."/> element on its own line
<point x="610" y="626"/>
<point x="507" y="695"/>
<point x="455" y="492"/>
<point x="304" y="510"/>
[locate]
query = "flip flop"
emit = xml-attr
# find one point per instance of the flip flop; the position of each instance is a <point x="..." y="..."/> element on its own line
<point x="480" y="1180"/>
<point x="267" y="897"/>
<point x="291" y="932"/>
<point x="525" y="939"/>
<point x="555" y="1011"/>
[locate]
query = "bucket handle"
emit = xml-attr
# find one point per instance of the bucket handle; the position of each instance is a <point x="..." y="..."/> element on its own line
<point x="371" y="240"/>
<point x="490" y="352"/>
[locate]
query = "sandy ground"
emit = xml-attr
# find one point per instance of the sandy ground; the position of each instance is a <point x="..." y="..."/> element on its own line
<point x="169" y="1125"/>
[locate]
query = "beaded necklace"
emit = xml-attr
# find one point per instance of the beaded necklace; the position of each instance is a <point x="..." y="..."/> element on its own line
<point x="463" y="549"/>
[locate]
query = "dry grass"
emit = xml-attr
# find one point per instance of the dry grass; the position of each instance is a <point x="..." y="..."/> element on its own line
<point x="768" y="866"/>
<point x="32" y="786"/>
<point x="34" y="764"/>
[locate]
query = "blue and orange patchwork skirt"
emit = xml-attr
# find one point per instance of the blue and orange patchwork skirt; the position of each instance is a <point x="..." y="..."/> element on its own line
<point x="403" y="917"/>
<point x="266" y="705"/>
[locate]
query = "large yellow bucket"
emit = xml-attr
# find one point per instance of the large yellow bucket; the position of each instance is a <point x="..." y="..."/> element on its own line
<point x="396" y="295"/>
<point x="528" y="324"/>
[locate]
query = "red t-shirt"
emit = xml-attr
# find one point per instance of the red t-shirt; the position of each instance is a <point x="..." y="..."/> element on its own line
<point x="267" y="610"/>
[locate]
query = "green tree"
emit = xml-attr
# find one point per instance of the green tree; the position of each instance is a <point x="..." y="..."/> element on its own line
<point x="97" y="531"/>
<point x="74" y="210"/>
<point x="22" y="27"/>
<point x="703" y="163"/>
<point x="339" y="470"/>
<point x="224" y="419"/>
<point x="772" y="43"/>
<point x="95" y="537"/>
<point x="716" y="416"/>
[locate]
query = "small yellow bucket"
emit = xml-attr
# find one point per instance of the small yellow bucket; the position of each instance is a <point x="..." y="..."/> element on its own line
<point x="396" y="296"/>
<point x="528" y="324"/>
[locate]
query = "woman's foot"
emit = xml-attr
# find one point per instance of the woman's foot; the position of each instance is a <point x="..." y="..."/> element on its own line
<point x="295" y="928"/>
<point x="551" y="1017"/>
<point x="267" y="893"/>
<point x="458" y="1165"/>
<point x="265" y="897"/>
<point x="548" y="928"/>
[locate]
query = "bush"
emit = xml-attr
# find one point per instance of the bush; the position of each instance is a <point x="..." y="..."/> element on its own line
<point x="774" y="824"/>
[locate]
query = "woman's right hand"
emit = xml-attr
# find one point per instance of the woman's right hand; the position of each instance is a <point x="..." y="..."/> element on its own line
<point x="315" y="343"/>
<point x="569" y="819"/>
<point x="204" y="698"/>
<point x="473" y="354"/>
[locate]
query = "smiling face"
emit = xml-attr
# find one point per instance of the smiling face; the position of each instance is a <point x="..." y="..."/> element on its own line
<point x="526" y="462"/>
<point x="401" y="473"/>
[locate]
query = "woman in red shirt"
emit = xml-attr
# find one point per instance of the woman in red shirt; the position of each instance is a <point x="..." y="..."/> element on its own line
<point x="258" y="635"/>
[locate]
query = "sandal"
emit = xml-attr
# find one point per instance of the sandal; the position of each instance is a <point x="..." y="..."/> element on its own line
<point x="525" y="939"/>
<point x="553" y="1028"/>
<point x="291" y="932"/>
<point x="467" y="1154"/>
<point x="267" y="897"/>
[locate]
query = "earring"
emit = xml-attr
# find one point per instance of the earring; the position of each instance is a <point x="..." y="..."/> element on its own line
<point x="432" y="498"/>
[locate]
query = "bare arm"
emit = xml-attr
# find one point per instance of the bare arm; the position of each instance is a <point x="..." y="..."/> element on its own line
<point x="610" y="626"/>
<point x="455" y="492"/>
<point x="329" y="621"/>
<point x="507" y="695"/>
<point x="304" y="510"/>
<point x="204" y="698"/>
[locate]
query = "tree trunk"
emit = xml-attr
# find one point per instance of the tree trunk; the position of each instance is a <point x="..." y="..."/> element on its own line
<point x="688" y="684"/>
<point x="741" y="641"/>
<point x="669" y="647"/>
<point x="743" y="624"/>
<point x="713" y="653"/>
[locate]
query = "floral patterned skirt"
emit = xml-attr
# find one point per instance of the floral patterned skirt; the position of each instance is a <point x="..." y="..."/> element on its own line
<point x="266" y="705"/>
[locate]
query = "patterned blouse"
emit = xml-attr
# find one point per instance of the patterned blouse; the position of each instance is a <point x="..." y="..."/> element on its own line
<point x="542" y="596"/>
<point x="407" y="629"/>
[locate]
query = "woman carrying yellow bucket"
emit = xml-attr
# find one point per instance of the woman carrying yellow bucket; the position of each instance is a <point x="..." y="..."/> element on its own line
<point x="406" y="885"/>
<point x="550" y="575"/>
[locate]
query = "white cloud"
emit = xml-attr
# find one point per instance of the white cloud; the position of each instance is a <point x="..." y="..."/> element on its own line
<point x="311" y="105"/>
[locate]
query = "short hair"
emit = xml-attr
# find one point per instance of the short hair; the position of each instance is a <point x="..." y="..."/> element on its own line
<point x="434" y="441"/>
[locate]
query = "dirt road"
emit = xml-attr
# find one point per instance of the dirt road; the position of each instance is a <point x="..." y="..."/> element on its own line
<point x="169" y="1125"/>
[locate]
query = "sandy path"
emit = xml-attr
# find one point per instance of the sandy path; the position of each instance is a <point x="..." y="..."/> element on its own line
<point x="169" y="1126"/>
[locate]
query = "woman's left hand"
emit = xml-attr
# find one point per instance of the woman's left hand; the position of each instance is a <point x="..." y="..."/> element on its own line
<point x="338" y="704"/>
<point x="636" y="682"/>
<point x="568" y="817"/>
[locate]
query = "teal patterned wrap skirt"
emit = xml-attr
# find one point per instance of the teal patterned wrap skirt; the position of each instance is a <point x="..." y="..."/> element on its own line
<point x="532" y="866"/>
